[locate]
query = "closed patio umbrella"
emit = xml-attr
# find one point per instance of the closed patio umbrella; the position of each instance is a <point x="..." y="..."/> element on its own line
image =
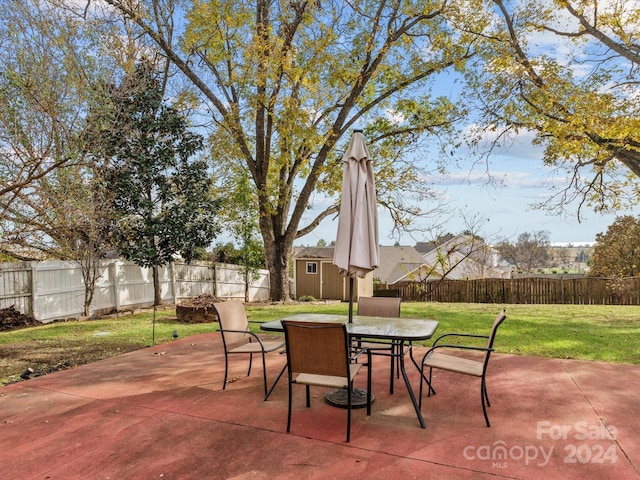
<point x="357" y="252"/>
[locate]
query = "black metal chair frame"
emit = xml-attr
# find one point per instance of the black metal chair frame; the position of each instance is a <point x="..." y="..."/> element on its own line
<point x="387" y="349"/>
<point x="253" y="338"/>
<point x="488" y="349"/>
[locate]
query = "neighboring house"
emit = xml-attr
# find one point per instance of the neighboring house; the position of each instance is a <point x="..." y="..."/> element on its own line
<point x="315" y="275"/>
<point x="464" y="257"/>
<point x="460" y="257"/>
<point x="399" y="264"/>
<point x="426" y="247"/>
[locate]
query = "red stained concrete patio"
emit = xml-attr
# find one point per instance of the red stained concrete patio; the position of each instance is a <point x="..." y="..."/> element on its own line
<point x="161" y="413"/>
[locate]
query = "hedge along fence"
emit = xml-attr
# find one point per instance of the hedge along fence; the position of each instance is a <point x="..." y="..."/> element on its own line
<point x="532" y="290"/>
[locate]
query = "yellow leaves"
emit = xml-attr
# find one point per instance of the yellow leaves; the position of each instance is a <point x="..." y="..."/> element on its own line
<point x="214" y="26"/>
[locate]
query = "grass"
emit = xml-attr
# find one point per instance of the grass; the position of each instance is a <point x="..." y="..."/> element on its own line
<point x="585" y="332"/>
<point x="60" y="345"/>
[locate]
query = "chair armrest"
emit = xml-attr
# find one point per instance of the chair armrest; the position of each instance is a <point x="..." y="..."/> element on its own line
<point x="356" y="352"/>
<point x="251" y="334"/>
<point x="463" y="335"/>
<point x="459" y="347"/>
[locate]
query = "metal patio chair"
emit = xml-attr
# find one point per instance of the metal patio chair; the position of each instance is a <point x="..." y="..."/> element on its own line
<point x="434" y="358"/>
<point x="237" y="339"/>
<point x="320" y="354"/>
<point x="382" y="307"/>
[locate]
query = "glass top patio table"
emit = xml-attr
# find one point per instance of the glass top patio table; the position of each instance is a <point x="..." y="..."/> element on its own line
<point x="383" y="328"/>
<point x="397" y="329"/>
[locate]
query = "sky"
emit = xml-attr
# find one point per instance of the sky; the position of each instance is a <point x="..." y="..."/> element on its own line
<point x="502" y="210"/>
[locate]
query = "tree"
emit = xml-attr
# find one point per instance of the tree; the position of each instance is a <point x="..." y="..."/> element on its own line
<point x="561" y="257"/>
<point x="51" y="206"/>
<point x="75" y="217"/>
<point x="455" y="256"/>
<point x="239" y="210"/>
<point x="617" y="252"/>
<point x="285" y="82"/>
<point x="530" y="251"/>
<point x="567" y="70"/>
<point x="42" y="74"/>
<point x="36" y="94"/>
<point x="224" y="253"/>
<point x="450" y="254"/>
<point x="160" y="196"/>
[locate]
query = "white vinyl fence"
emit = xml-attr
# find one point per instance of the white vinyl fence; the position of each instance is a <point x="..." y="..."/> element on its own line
<point x="52" y="290"/>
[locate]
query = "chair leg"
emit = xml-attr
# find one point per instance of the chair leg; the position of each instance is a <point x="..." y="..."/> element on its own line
<point x="486" y="395"/>
<point x="429" y="382"/>
<point x="426" y="380"/>
<point x="250" y="361"/>
<point x="420" y="391"/>
<point x="368" y="382"/>
<point x="264" y="373"/>
<point x="275" y="382"/>
<point x="226" y="370"/>
<point x="289" y="411"/>
<point x="349" y="390"/>
<point x="483" y="395"/>
<point x="308" y="390"/>
<point x="393" y="349"/>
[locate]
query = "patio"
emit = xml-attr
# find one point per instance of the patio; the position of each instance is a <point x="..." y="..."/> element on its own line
<point x="161" y="413"/>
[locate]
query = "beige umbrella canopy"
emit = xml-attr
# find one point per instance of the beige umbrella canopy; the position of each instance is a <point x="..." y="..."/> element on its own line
<point x="357" y="250"/>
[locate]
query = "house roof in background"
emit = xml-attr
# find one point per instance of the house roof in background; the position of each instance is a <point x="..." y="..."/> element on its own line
<point x="425" y="247"/>
<point x="396" y="262"/>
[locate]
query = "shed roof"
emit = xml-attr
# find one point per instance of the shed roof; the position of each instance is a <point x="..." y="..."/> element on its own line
<point x="314" y="252"/>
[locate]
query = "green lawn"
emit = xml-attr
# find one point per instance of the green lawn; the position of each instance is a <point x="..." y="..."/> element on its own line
<point x="603" y="333"/>
<point x="587" y="332"/>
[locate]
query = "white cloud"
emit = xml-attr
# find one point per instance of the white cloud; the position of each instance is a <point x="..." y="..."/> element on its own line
<point x="394" y="116"/>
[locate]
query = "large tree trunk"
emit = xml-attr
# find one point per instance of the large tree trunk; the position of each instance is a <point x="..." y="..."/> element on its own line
<point x="278" y="263"/>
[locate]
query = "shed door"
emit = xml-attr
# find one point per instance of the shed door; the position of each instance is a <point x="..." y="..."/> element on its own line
<point x="331" y="282"/>
<point x="308" y="278"/>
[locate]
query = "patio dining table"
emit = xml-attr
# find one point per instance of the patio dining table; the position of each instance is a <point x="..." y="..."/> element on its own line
<point x="400" y="330"/>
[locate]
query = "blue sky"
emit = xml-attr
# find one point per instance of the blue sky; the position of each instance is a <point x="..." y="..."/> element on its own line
<point x="503" y="209"/>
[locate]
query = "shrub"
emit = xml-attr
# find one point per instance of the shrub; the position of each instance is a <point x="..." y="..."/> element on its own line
<point x="307" y="298"/>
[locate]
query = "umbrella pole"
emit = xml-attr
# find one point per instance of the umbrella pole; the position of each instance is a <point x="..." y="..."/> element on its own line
<point x="338" y="397"/>
<point x="350" y="299"/>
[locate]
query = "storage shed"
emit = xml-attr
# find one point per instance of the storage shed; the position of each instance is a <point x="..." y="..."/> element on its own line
<point x="316" y="275"/>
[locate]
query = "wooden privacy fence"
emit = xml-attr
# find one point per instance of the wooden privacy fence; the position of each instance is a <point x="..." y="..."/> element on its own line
<point x="533" y="290"/>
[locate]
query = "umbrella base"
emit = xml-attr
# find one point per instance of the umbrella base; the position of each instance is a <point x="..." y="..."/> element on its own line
<point x="339" y="398"/>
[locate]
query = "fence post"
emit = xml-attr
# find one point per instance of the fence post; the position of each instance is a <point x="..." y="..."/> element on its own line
<point x="172" y="279"/>
<point x="214" y="277"/>
<point x="34" y="304"/>
<point x="116" y="287"/>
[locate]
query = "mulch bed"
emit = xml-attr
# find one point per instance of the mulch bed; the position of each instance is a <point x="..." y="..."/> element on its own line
<point x="197" y="310"/>
<point x="11" y="319"/>
<point x="204" y="301"/>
